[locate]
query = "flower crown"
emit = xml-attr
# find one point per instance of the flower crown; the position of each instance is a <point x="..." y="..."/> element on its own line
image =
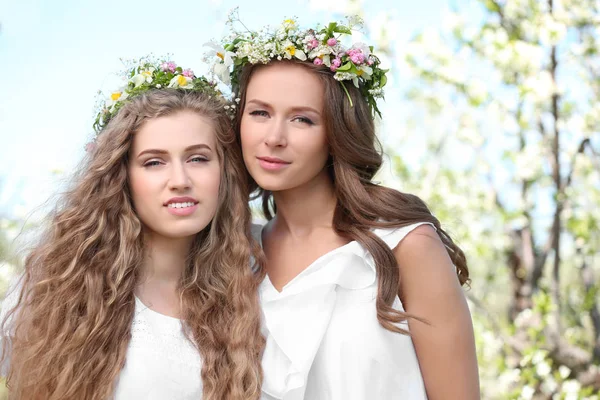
<point x="147" y="74"/>
<point x="322" y="46"/>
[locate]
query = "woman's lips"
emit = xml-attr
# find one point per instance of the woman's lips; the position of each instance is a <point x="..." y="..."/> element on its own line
<point x="183" y="211"/>
<point x="272" y="163"/>
<point x="181" y="206"/>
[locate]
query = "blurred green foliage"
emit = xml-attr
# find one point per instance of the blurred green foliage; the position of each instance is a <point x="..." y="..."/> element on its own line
<point x="509" y="96"/>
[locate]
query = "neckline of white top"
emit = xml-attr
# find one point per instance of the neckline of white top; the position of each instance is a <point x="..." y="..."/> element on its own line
<point x="267" y="279"/>
<point x="143" y="307"/>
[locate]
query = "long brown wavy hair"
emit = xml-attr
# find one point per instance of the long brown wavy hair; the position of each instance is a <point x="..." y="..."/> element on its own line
<point x="71" y="326"/>
<point x="355" y="157"/>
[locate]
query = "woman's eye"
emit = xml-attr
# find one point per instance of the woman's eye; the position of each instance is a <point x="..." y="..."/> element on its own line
<point x="199" y="159"/>
<point x="259" y="113"/>
<point x="304" y="120"/>
<point x="152" y="163"/>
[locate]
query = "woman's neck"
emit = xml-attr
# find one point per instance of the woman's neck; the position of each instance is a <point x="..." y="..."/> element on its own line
<point x="161" y="273"/>
<point x="303" y="208"/>
<point x="165" y="258"/>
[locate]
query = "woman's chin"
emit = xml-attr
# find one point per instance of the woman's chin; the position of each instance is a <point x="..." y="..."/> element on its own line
<point x="273" y="185"/>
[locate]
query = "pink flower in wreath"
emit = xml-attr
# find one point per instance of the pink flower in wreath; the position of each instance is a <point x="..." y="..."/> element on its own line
<point x="335" y="64"/>
<point x="313" y="44"/>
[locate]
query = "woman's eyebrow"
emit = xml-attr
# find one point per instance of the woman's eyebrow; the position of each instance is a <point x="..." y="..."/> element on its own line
<point x="189" y="148"/>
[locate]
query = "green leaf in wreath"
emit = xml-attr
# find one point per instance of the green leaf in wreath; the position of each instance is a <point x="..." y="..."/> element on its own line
<point x="343" y="29"/>
<point x="383" y="81"/>
<point x="346" y="67"/>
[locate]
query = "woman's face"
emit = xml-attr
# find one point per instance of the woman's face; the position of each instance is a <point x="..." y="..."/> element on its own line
<point x="282" y="129"/>
<point x="174" y="174"/>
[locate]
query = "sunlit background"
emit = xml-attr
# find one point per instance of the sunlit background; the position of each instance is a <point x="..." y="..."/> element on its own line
<point x="491" y="115"/>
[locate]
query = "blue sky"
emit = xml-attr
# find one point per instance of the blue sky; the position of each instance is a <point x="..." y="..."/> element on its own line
<point x="55" y="56"/>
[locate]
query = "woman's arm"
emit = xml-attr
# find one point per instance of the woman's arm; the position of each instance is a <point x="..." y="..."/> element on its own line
<point x="430" y="290"/>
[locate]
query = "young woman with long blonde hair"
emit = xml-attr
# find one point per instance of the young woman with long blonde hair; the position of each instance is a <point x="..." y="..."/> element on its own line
<point x="141" y="286"/>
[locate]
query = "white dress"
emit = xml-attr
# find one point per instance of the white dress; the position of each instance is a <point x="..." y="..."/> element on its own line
<point x="323" y="338"/>
<point x="161" y="363"/>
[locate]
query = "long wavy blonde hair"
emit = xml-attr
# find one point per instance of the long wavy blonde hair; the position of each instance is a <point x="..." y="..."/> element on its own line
<point x="71" y="326"/>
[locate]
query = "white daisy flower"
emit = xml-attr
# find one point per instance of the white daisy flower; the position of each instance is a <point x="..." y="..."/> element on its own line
<point x="116" y="96"/>
<point x="291" y="51"/>
<point x="222" y="72"/>
<point x="224" y="55"/>
<point x="144" y="76"/>
<point x="181" y="81"/>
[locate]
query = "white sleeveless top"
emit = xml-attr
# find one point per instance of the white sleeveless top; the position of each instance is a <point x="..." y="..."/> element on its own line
<point x="323" y="338"/>
<point x="161" y="363"/>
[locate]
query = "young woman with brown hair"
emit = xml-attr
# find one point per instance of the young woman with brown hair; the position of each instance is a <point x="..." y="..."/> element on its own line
<point x="141" y="286"/>
<point x="351" y="265"/>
